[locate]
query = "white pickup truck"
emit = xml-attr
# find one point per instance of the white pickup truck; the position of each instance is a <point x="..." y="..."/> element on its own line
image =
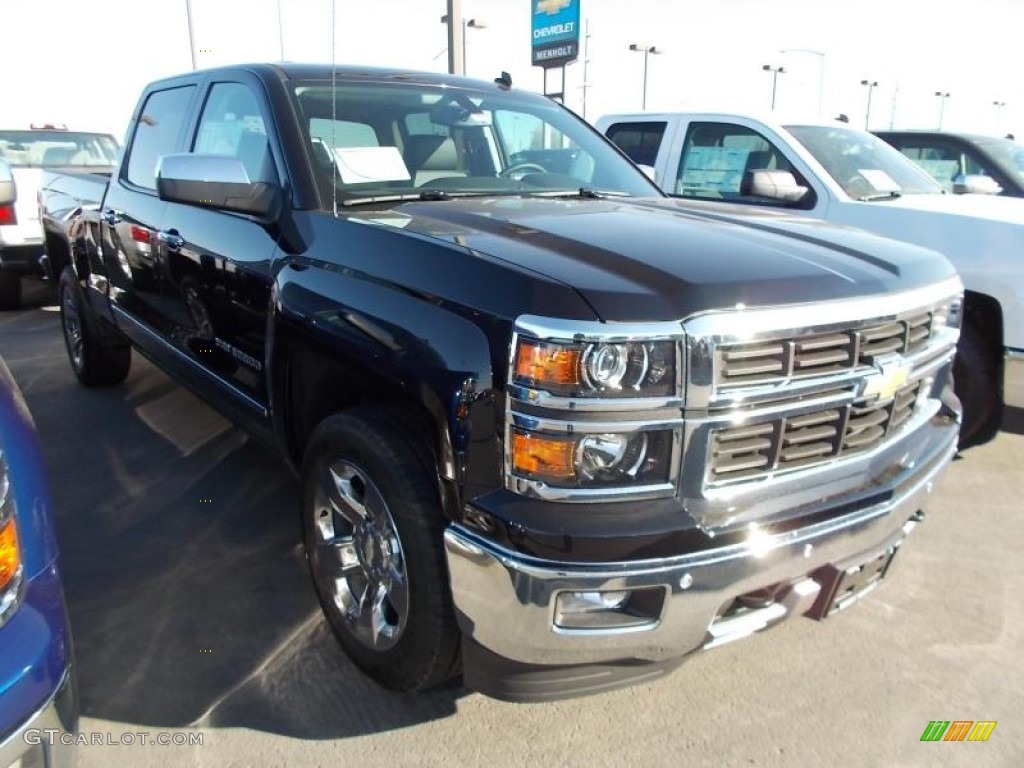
<point x="23" y="156"/>
<point x="847" y="176"/>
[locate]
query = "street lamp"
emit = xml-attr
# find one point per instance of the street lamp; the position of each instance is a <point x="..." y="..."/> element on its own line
<point x="999" y="112"/>
<point x="871" y="84"/>
<point x="821" y="73"/>
<point x="776" y="71"/>
<point x="942" y="105"/>
<point x="191" y="35"/>
<point x="646" y="50"/>
<point x="466" y="24"/>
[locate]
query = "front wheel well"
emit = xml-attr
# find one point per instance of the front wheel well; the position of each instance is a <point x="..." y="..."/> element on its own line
<point x="984" y="313"/>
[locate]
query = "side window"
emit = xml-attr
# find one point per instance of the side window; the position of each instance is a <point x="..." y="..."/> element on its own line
<point x="940" y="161"/>
<point x="530" y="142"/>
<point x="159" y="126"/>
<point x="640" y="141"/>
<point x="717" y="160"/>
<point x="232" y="124"/>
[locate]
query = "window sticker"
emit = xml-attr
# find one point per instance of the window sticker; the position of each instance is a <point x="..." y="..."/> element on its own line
<point x="712" y="170"/>
<point x="880" y="180"/>
<point x="362" y="165"/>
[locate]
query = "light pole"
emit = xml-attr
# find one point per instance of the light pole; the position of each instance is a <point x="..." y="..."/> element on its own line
<point x="466" y="24"/>
<point x="776" y="71"/>
<point x="871" y="84"/>
<point x="999" y="112"/>
<point x="942" y="105"/>
<point x="471" y="24"/>
<point x="646" y="50"/>
<point x="821" y="73"/>
<point x="191" y="36"/>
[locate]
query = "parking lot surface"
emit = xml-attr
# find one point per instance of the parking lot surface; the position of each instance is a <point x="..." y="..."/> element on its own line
<point x="191" y="610"/>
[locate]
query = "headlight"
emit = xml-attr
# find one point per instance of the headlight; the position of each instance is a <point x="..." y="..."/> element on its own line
<point x="597" y="369"/>
<point x="611" y="460"/>
<point x="950" y="314"/>
<point x="10" y="553"/>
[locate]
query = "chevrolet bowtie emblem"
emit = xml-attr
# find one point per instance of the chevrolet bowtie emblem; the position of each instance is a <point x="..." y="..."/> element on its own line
<point x="891" y="375"/>
<point x="551" y="7"/>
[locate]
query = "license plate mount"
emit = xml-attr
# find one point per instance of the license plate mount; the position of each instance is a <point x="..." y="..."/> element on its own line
<point x="841" y="587"/>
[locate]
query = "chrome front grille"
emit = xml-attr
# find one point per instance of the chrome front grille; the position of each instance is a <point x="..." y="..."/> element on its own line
<point x="786" y="443"/>
<point x="767" y="362"/>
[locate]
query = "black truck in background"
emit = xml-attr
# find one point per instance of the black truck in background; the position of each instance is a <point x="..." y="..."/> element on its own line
<point x="550" y="430"/>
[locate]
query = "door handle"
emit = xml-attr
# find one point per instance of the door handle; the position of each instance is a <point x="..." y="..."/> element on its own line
<point x="171" y="239"/>
<point x="111" y="216"/>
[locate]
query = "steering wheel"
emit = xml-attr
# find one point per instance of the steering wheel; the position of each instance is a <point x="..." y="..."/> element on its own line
<point x="521" y="169"/>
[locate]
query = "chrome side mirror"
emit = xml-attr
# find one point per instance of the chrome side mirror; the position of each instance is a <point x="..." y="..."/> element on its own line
<point x="214" y="181"/>
<point x="774" y="185"/>
<point x="975" y="184"/>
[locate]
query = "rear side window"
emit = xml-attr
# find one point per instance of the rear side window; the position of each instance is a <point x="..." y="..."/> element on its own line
<point x="232" y="124"/>
<point x="156" y="134"/>
<point x="640" y="141"/>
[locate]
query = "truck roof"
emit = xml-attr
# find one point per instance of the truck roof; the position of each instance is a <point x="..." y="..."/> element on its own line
<point x="296" y="71"/>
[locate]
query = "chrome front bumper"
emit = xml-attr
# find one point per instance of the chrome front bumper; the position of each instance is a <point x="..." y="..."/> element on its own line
<point x="1013" y="378"/>
<point x="39" y="737"/>
<point x="506" y="602"/>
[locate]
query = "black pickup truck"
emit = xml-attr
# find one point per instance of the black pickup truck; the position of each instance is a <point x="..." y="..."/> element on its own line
<point x="550" y="430"/>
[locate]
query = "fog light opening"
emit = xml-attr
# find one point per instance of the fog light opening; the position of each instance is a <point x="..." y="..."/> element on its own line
<point x="609" y="609"/>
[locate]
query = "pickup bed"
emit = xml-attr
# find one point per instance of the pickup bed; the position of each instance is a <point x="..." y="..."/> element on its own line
<point x="552" y="428"/>
<point x="847" y="176"/>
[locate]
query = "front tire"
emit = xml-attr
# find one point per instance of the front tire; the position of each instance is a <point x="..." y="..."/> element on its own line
<point x="98" y="356"/>
<point x="10" y="290"/>
<point x="975" y="379"/>
<point x="373" y="531"/>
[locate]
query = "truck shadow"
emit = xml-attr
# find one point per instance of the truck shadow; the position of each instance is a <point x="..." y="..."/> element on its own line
<point x="189" y="598"/>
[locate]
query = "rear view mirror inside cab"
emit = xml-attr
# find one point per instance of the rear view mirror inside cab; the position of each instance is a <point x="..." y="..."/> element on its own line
<point x="459" y="112"/>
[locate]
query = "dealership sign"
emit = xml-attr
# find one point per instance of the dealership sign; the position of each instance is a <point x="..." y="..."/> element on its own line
<point x="555" y="32"/>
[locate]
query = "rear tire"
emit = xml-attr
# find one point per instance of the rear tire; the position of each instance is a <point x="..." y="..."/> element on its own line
<point x="374" y="531"/>
<point x="98" y="355"/>
<point x="975" y="378"/>
<point x="10" y="290"/>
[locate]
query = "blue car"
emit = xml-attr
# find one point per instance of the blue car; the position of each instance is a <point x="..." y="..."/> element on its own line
<point x="38" y="704"/>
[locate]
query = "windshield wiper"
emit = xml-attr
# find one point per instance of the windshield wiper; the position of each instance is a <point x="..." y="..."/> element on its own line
<point x="584" y="193"/>
<point x="892" y="194"/>
<point x="428" y="195"/>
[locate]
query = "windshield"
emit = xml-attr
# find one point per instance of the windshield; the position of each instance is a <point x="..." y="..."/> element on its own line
<point x="51" y="149"/>
<point x="379" y="140"/>
<point x="862" y="164"/>
<point x="1008" y="155"/>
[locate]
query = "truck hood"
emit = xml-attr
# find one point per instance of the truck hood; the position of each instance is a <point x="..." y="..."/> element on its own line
<point x="992" y="207"/>
<point x="655" y="260"/>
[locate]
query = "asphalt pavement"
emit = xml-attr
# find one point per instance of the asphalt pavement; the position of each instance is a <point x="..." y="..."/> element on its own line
<point x="192" y="611"/>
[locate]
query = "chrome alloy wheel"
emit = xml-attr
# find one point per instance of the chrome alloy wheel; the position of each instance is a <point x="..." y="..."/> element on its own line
<point x="358" y="560"/>
<point x="72" y="322"/>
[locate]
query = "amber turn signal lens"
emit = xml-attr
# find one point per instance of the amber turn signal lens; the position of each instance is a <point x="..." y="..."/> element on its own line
<point x="10" y="557"/>
<point x="547" y="364"/>
<point x="543" y="457"/>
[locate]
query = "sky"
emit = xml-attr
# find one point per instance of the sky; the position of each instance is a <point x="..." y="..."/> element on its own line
<point x="84" y="63"/>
